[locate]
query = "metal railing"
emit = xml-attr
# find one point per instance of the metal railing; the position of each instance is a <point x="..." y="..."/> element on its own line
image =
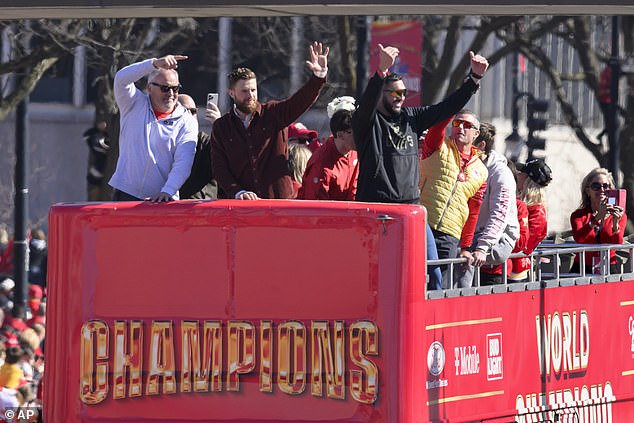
<point x="546" y="265"/>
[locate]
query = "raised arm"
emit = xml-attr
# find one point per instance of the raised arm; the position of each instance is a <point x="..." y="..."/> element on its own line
<point x="368" y="103"/>
<point x="290" y="109"/>
<point x="124" y="88"/>
<point x="318" y="62"/>
<point x="431" y="115"/>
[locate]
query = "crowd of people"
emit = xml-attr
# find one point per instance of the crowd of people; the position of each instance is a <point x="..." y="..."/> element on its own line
<point x="22" y="328"/>
<point x="480" y="206"/>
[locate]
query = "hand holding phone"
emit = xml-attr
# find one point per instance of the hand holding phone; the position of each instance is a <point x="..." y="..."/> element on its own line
<point x="212" y="112"/>
<point x="616" y="197"/>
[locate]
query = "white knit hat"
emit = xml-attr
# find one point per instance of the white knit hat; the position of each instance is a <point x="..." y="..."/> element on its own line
<point x="341" y="103"/>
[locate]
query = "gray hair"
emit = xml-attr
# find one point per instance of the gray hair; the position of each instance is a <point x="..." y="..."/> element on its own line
<point x="152" y="76"/>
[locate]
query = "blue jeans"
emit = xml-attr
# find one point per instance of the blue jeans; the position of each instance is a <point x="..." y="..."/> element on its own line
<point x="435" y="276"/>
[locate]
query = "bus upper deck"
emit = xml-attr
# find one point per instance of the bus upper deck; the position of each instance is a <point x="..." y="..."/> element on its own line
<point x="270" y="311"/>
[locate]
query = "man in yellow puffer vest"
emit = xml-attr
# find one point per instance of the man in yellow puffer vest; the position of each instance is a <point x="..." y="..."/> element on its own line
<point x="453" y="182"/>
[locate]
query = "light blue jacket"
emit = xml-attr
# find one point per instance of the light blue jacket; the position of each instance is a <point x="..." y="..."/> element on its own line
<point x="154" y="155"/>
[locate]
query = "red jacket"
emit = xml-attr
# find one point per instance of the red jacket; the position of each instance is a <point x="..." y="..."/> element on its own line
<point x="583" y="233"/>
<point x="330" y="175"/>
<point x="536" y="229"/>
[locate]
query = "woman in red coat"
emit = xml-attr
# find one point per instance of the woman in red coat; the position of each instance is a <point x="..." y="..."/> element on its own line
<point x="532" y="179"/>
<point x="596" y="221"/>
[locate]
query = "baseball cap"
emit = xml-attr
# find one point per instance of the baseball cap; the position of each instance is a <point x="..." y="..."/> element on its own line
<point x="537" y="170"/>
<point x="299" y="130"/>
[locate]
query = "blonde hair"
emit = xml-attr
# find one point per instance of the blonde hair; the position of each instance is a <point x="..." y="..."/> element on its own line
<point x="29" y="337"/>
<point x="40" y="330"/>
<point x="532" y="193"/>
<point x="598" y="171"/>
<point x="298" y="156"/>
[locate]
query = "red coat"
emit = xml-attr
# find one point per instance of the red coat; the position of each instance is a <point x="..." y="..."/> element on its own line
<point x="536" y="227"/>
<point x="583" y="233"/>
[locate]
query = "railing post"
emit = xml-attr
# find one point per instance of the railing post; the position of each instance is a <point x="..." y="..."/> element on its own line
<point x="605" y="262"/>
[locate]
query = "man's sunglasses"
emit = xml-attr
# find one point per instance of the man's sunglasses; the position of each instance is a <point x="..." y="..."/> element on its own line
<point x="167" y="88"/>
<point x="465" y="124"/>
<point x="397" y="93"/>
<point x="596" y="186"/>
<point x="193" y="110"/>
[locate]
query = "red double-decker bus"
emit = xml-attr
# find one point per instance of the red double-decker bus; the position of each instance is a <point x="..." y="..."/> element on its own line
<point x="289" y="311"/>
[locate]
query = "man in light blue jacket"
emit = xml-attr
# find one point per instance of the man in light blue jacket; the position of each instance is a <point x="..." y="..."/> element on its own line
<point x="157" y="140"/>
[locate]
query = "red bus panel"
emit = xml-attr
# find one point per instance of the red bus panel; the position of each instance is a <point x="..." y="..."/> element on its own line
<point x="267" y="311"/>
<point x="235" y="311"/>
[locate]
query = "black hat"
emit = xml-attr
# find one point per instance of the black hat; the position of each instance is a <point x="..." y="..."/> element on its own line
<point x="537" y="170"/>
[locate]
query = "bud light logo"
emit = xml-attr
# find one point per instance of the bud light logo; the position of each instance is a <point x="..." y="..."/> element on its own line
<point x="494" y="356"/>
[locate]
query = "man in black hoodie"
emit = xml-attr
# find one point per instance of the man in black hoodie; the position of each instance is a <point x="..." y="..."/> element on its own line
<point x="386" y="133"/>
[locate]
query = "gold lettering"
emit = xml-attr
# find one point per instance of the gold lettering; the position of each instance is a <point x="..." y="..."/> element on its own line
<point x="333" y="358"/>
<point x="240" y="351"/>
<point x="199" y="365"/>
<point x="359" y="332"/>
<point x="291" y="357"/>
<point x="266" y="348"/>
<point x="127" y="357"/>
<point x="213" y="353"/>
<point x="93" y="332"/>
<point x="162" y="362"/>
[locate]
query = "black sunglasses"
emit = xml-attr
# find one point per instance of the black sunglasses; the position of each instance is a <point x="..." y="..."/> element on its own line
<point x="167" y="88"/>
<point x="193" y="110"/>
<point x="596" y="186"/>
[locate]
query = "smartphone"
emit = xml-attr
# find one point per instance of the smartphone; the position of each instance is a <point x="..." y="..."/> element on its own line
<point x="212" y="98"/>
<point x="616" y="197"/>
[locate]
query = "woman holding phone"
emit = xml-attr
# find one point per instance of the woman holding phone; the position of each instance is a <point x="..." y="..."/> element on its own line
<point x="596" y="221"/>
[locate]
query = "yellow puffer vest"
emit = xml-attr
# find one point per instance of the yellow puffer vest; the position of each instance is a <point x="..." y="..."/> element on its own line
<point x="443" y="193"/>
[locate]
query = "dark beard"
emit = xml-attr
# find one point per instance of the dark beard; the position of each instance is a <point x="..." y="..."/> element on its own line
<point x="387" y="104"/>
<point x="247" y="108"/>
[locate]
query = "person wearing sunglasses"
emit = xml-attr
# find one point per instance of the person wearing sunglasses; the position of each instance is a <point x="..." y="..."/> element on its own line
<point x="386" y="133"/>
<point x="250" y="142"/>
<point x="453" y="184"/>
<point x="157" y="139"/>
<point x="596" y="221"/>
<point x="497" y="228"/>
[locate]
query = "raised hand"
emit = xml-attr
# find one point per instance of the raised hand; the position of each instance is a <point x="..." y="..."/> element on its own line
<point x="479" y="64"/>
<point x="212" y="112"/>
<point x="387" y="57"/>
<point x="168" y="62"/>
<point x="318" y="58"/>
